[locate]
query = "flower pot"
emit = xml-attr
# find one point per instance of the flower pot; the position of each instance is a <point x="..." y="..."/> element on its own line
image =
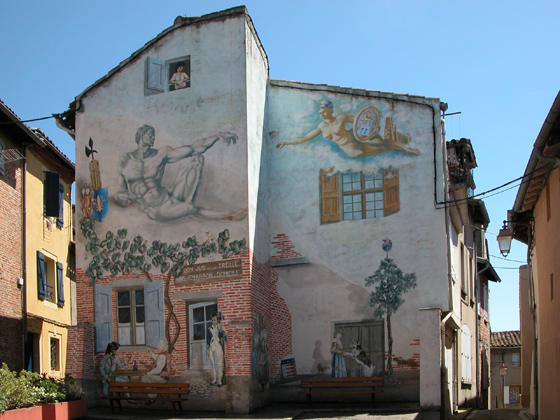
<point x="67" y="410"/>
<point x="31" y="413"/>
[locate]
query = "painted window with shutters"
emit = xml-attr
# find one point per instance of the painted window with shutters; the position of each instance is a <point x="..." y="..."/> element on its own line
<point x="139" y="312"/>
<point x="131" y="316"/>
<point x="155" y="75"/>
<point x="358" y="195"/>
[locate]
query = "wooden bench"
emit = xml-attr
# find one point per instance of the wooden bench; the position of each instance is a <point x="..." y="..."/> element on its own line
<point x="358" y="385"/>
<point x="140" y="391"/>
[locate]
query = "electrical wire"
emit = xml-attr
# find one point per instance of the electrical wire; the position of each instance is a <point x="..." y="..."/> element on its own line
<point x="26" y="121"/>
<point x="507" y="259"/>
<point x="499" y="187"/>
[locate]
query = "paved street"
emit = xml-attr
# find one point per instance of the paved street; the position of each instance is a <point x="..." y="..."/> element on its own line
<point x="299" y="412"/>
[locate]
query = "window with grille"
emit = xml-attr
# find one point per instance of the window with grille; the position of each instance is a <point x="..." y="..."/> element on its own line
<point x="55" y="351"/>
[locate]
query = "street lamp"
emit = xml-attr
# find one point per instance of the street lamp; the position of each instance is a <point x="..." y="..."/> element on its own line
<point x="503" y="373"/>
<point x="504" y="242"/>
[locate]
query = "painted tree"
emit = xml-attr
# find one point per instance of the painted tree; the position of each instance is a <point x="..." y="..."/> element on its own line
<point x="115" y="254"/>
<point x="390" y="286"/>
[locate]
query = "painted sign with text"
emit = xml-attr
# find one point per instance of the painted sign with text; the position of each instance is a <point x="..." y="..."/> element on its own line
<point x="211" y="271"/>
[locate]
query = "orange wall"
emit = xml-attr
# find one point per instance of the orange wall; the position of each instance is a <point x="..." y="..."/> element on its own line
<point x="547" y="278"/>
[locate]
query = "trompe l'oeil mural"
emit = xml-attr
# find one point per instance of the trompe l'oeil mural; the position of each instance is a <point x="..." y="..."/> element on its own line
<point x="362" y="138"/>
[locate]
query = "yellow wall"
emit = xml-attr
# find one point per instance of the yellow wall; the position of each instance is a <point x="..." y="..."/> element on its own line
<point x="54" y="243"/>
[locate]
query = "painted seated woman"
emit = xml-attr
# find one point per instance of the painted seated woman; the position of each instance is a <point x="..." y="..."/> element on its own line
<point x="334" y="128"/>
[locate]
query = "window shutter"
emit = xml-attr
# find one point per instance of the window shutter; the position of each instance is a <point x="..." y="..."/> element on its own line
<point x="103" y="316"/>
<point x="60" y="220"/>
<point x="330" y="197"/>
<point x="391" y="195"/>
<point x="51" y="188"/>
<point x="155" y="74"/>
<point x="41" y="280"/>
<point x="59" y="284"/>
<point x="154" y="313"/>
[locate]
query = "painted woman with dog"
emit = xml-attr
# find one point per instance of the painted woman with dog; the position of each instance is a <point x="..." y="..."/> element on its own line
<point x="338" y="361"/>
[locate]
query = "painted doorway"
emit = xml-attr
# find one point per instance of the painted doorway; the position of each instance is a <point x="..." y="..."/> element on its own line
<point x="200" y="319"/>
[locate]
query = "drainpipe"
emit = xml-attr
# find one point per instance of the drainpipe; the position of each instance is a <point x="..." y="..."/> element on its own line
<point x="24" y="254"/>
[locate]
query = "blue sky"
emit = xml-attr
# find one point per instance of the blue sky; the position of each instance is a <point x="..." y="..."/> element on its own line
<point x="494" y="62"/>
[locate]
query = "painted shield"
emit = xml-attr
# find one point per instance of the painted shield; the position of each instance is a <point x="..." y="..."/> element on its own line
<point x="100" y="204"/>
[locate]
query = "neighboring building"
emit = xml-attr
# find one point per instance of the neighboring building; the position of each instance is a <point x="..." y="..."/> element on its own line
<point x="471" y="271"/>
<point x="39" y="232"/>
<point x="11" y="228"/>
<point x="535" y="221"/>
<point x="506" y="369"/>
<point x="283" y="208"/>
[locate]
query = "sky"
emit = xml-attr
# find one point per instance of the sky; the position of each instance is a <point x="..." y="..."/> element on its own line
<point x="496" y="63"/>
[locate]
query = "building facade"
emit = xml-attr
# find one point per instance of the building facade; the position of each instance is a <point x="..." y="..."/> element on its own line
<point x="506" y="369"/>
<point x="534" y="221"/>
<point x="39" y="232"/>
<point x="11" y="251"/>
<point x="255" y="230"/>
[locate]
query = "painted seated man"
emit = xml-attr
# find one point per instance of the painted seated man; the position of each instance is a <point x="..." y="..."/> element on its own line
<point x="141" y="173"/>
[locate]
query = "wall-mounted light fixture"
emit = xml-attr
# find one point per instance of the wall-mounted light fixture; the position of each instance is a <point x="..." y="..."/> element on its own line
<point x="504" y="239"/>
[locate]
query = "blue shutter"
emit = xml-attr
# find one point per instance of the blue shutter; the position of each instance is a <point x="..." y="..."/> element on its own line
<point x="155" y="74"/>
<point x="59" y="284"/>
<point x="41" y="280"/>
<point x="155" y="316"/>
<point x="51" y="188"/>
<point x="103" y="316"/>
<point x="60" y="220"/>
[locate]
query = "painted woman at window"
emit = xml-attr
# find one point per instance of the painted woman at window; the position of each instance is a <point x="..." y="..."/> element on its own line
<point x="180" y="78"/>
<point x="109" y="364"/>
<point x="334" y="129"/>
<point x="338" y="361"/>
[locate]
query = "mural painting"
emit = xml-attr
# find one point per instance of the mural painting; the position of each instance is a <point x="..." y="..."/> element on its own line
<point x="259" y="356"/>
<point x="159" y="369"/>
<point x="109" y="364"/>
<point x="215" y="349"/>
<point x="180" y="78"/>
<point x="390" y="286"/>
<point x="338" y="353"/>
<point x="362" y="139"/>
<point x="141" y="170"/>
<point x="95" y="199"/>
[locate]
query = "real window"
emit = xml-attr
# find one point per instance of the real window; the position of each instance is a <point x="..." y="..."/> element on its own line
<point x="358" y="195"/>
<point x="52" y="195"/>
<point x="466" y="354"/>
<point x="514" y="394"/>
<point x="55" y="354"/>
<point x="515" y="360"/>
<point x="50" y="279"/>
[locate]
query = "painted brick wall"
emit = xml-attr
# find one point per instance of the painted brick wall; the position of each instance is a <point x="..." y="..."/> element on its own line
<point x="11" y="265"/>
<point x="267" y="302"/>
<point x="400" y="364"/>
<point x="283" y="247"/>
<point x="242" y="299"/>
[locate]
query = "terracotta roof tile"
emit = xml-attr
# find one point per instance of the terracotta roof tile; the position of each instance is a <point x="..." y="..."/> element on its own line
<point x="505" y="339"/>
